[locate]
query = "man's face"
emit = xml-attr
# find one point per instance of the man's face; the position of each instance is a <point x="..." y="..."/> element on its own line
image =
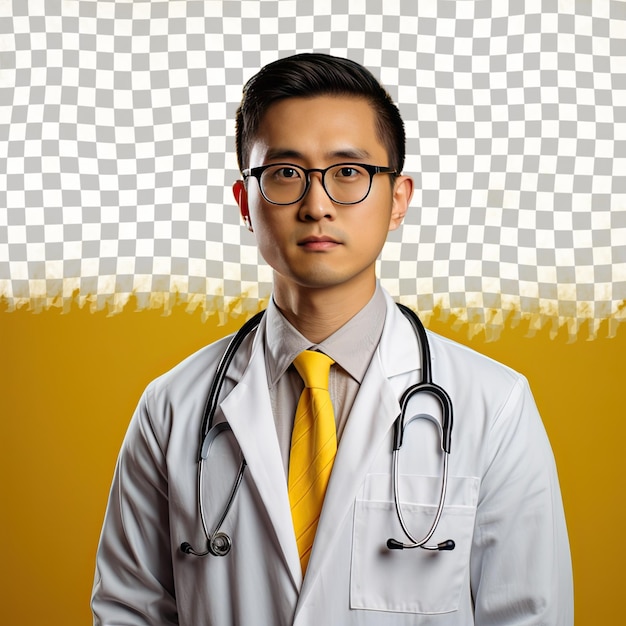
<point x="316" y="243"/>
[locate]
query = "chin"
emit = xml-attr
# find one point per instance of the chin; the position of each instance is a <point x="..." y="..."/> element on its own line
<point x="310" y="280"/>
<point x="328" y="280"/>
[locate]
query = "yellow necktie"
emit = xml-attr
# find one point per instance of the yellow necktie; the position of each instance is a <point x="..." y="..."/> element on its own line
<point x="313" y="449"/>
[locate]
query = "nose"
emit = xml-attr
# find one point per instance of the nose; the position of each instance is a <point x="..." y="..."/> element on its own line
<point x="316" y="204"/>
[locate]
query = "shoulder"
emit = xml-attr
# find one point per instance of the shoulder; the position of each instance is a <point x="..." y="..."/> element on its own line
<point x="192" y="377"/>
<point x="476" y="382"/>
<point x="495" y="413"/>
<point x="452" y="354"/>
<point x="452" y="363"/>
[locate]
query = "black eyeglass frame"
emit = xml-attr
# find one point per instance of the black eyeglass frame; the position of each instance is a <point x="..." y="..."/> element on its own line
<point x="372" y="170"/>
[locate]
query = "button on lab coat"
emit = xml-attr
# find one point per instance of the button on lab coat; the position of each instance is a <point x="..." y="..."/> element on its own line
<point x="511" y="564"/>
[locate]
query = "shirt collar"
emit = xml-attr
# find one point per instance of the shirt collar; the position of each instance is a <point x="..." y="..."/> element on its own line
<point x="351" y="346"/>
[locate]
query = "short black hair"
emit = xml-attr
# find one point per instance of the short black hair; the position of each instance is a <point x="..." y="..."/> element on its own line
<point x="308" y="75"/>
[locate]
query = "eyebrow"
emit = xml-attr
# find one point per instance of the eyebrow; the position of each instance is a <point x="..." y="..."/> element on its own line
<point x="346" y="153"/>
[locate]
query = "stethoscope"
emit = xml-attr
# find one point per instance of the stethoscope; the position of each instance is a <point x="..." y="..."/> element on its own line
<point x="218" y="543"/>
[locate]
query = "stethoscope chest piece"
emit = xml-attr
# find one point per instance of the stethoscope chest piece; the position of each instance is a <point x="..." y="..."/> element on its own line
<point x="220" y="544"/>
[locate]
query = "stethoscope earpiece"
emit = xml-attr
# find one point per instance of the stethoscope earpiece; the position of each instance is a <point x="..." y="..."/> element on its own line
<point x="394" y="544"/>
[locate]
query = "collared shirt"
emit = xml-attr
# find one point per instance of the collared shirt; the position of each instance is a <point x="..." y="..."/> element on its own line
<point x="351" y="347"/>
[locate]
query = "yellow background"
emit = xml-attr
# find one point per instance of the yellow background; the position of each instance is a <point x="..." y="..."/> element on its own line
<point x="69" y="385"/>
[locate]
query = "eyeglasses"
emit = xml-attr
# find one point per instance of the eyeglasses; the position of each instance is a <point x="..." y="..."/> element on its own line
<point x="286" y="183"/>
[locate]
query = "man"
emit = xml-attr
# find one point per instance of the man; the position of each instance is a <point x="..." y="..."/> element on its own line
<point x="321" y="148"/>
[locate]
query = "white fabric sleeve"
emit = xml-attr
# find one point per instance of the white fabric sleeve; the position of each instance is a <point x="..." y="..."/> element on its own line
<point x="134" y="581"/>
<point x="520" y="566"/>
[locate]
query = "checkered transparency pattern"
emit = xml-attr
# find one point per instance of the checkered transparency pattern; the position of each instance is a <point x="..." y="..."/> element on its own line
<point x="117" y="151"/>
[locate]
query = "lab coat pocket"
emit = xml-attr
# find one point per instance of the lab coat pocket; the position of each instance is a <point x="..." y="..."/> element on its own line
<point x="411" y="580"/>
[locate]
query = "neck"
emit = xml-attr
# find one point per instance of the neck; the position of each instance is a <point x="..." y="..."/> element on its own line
<point x="318" y="313"/>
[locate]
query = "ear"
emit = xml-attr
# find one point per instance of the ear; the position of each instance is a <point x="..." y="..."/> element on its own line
<point x="241" y="198"/>
<point x="402" y="194"/>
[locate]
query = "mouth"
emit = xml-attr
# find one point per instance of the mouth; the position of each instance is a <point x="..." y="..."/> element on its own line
<point x="318" y="243"/>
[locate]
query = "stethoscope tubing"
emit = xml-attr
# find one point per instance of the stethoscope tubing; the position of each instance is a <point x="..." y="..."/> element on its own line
<point x="393" y="544"/>
<point x="445" y="432"/>
<point x="210" y="407"/>
<point x="219" y="543"/>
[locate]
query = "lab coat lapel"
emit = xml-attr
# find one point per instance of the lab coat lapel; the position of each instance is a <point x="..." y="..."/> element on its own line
<point x="248" y="411"/>
<point x="376" y="406"/>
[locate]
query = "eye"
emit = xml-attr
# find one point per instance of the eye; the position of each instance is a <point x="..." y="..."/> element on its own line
<point x="347" y="172"/>
<point x="285" y="172"/>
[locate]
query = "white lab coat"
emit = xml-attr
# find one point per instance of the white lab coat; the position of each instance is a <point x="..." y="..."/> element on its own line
<point x="511" y="564"/>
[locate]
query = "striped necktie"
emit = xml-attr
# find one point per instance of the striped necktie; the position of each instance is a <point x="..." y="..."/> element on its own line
<point x="313" y="449"/>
